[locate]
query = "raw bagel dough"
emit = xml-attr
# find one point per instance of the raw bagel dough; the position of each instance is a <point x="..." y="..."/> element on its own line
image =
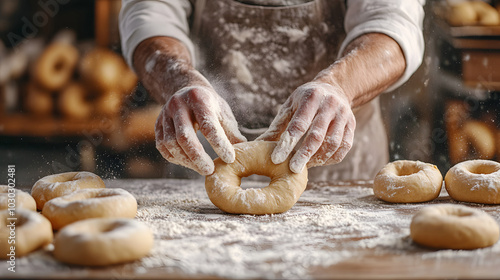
<point x="23" y="199"/>
<point x="474" y="181"/>
<point x="451" y="226"/>
<point x="406" y="181"/>
<point x="55" y="66"/>
<point x="56" y="185"/>
<point x="33" y="231"/>
<point x="103" y="241"/>
<point x="223" y="186"/>
<point x="90" y="203"/>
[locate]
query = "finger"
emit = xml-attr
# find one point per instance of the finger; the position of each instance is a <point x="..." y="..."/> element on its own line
<point x="215" y="135"/>
<point x="172" y="146"/>
<point x="299" y="124"/>
<point x="159" y="140"/>
<point x="278" y="125"/>
<point x="207" y="114"/>
<point x="190" y="144"/>
<point x="230" y="126"/>
<point x="331" y="143"/>
<point x="312" y="142"/>
<point x="345" y="146"/>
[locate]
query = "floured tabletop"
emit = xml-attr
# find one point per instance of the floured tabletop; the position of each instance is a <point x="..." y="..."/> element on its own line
<point x="334" y="231"/>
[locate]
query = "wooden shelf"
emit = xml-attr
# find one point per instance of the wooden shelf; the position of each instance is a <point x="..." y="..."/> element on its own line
<point x="31" y="126"/>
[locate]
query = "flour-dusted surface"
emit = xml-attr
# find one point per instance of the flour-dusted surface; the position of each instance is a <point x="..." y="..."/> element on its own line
<point x="334" y="231"/>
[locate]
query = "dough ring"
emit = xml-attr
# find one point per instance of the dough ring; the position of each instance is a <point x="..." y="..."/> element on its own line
<point x="90" y="203"/>
<point x="56" y="185"/>
<point x="33" y="231"/>
<point x="449" y="226"/>
<point x="22" y="199"/>
<point x="406" y="181"/>
<point x="103" y="241"/>
<point x="474" y="181"/>
<point x="223" y="186"/>
<point x="55" y="66"/>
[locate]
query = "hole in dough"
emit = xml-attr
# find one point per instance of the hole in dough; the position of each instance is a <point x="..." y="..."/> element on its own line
<point x="407" y="170"/>
<point x="60" y="65"/>
<point x="255" y="181"/>
<point x="483" y="169"/>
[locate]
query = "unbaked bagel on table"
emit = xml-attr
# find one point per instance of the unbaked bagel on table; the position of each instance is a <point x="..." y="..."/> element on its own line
<point x="22" y="199"/>
<point x="56" y="185"/>
<point x="223" y="186"/>
<point x="475" y="181"/>
<point x="103" y="241"/>
<point x="406" y="181"/>
<point x="90" y="203"/>
<point x="449" y="226"/>
<point x="32" y="231"/>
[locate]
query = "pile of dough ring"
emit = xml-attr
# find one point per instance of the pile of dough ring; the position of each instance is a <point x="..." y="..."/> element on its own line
<point x="32" y="231"/>
<point x="93" y="221"/>
<point x="406" y="181"/>
<point x="22" y="199"/>
<point x="449" y="226"/>
<point x="102" y="241"/>
<point x="90" y="203"/>
<point x="72" y="85"/>
<point x="223" y="186"/>
<point x="56" y="185"/>
<point x="474" y="181"/>
<point x="474" y="12"/>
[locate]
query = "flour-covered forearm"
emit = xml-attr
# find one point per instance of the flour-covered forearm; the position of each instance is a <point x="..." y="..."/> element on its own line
<point x="164" y="66"/>
<point x="190" y="103"/>
<point x="401" y="20"/>
<point x="369" y="65"/>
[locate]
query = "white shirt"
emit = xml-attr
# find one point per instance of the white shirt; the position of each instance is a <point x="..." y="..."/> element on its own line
<point x="402" y="20"/>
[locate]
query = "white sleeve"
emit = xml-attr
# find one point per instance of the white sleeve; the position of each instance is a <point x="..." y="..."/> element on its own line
<point x="140" y="20"/>
<point x="402" y="20"/>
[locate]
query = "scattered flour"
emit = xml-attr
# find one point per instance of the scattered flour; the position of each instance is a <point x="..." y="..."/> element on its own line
<point x="328" y="226"/>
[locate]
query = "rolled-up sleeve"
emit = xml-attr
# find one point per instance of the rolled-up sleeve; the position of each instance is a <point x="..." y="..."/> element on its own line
<point x="140" y="20"/>
<point x="402" y="20"/>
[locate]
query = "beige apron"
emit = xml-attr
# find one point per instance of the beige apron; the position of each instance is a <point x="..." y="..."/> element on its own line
<point x="255" y="56"/>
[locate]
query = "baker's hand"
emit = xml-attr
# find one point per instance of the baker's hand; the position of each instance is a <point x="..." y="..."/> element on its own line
<point x="319" y="113"/>
<point x="189" y="109"/>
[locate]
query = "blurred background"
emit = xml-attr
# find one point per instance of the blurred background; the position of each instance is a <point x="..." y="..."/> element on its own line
<point x="69" y="102"/>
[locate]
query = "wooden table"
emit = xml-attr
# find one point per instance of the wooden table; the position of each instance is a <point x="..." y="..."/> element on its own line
<point x="336" y="231"/>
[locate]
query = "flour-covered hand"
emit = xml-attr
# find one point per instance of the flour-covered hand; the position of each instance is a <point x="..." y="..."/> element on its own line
<point x="189" y="109"/>
<point x="320" y="114"/>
